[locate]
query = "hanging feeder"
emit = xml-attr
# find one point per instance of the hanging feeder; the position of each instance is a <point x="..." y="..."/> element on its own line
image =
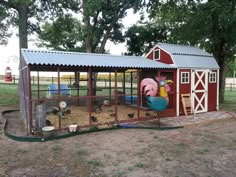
<point x="8" y="75"/>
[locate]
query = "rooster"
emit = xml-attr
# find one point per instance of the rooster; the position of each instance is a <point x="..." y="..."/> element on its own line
<point x="149" y="87"/>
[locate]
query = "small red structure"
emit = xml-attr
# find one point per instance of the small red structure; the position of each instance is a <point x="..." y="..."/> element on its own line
<point x="8" y="75"/>
<point x="197" y="74"/>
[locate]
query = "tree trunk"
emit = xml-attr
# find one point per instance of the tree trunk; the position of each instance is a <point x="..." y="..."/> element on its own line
<point x="23" y="26"/>
<point x="223" y="72"/>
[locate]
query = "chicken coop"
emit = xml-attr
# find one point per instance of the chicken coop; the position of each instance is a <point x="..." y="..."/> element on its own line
<point x="197" y="74"/>
<point x="62" y="88"/>
<point x="84" y="99"/>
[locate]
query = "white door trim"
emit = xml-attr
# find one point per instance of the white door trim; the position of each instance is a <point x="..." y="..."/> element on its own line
<point x="201" y="78"/>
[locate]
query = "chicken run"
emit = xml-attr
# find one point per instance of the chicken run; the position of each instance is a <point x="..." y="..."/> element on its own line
<point x="103" y="113"/>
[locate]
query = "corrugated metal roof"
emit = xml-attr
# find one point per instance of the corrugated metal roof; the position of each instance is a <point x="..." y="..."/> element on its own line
<point x="183" y="50"/>
<point x="184" y="61"/>
<point x="61" y="58"/>
<point x="189" y="56"/>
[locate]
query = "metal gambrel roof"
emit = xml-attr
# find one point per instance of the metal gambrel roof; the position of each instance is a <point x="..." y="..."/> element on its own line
<point x="189" y="56"/>
<point x="61" y="58"/>
<point x="183" y="50"/>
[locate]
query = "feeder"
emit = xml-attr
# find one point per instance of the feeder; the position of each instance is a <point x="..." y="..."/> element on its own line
<point x="48" y="131"/>
<point x="73" y="128"/>
<point x="8" y="75"/>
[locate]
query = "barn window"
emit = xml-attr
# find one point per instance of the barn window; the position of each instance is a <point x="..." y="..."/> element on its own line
<point x="184" y="77"/>
<point x="212" y="78"/>
<point x="156" y="54"/>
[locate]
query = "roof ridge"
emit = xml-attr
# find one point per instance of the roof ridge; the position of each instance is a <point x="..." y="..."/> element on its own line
<point x="78" y="53"/>
<point x="193" y="54"/>
<point x="179" y="45"/>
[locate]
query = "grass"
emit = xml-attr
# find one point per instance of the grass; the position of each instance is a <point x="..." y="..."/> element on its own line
<point x="230" y="101"/>
<point x="139" y="165"/>
<point x="95" y="163"/>
<point x="8" y="95"/>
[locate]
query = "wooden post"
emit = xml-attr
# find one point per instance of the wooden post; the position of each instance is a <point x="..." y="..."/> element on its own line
<point x="116" y="96"/>
<point x="70" y="82"/>
<point x="138" y="91"/>
<point x="90" y="95"/>
<point x="38" y="83"/>
<point x="14" y="79"/>
<point x="131" y="87"/>
<point x="33" y="79"/>
<point x="30" y="102"/>
<point x="110" y="86"/>
<point x="59" y="94"/>
<point x="123" y="82"/>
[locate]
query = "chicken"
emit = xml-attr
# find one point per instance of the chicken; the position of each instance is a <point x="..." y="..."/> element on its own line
<point x="94" y="119"/>
<point x="131" y="115"/>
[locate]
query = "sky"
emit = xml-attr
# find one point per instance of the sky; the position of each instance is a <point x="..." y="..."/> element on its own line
<point x="9" y="54"/>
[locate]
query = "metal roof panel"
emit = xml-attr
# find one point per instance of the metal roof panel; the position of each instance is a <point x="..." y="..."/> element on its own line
<point x="183" y="61"/>
<point x="183" y="50"/>
<point x="189" y="56"/>
<point x="61" y="58"/>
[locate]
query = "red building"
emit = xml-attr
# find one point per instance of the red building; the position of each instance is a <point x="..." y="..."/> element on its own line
<point x="197" y="74"/>
<point x="192" y="70"/>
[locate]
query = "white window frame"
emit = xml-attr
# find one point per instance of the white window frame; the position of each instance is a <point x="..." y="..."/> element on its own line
<point x="186" y="77"/>
<point x="212" y="77"/>
<point x="159" y="54"/>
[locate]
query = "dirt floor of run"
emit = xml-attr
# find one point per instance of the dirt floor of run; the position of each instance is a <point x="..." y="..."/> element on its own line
<point x="201" y="150"/>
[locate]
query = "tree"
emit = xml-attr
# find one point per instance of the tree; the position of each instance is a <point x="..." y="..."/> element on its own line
<point x="4" y="25"/>
<point x="141" y="38"/>
<point x="65" y="33"/>
<point x="100" y="22"/>
<point x="27" y="14"/>
<point x="209" y="24"/>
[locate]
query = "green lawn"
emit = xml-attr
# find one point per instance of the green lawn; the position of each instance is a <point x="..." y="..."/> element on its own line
<point x="230" y="100"/>
<point x="9" y="96"/>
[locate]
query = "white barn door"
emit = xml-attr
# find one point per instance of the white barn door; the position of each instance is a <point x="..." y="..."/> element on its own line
<point x="199" y="89"/>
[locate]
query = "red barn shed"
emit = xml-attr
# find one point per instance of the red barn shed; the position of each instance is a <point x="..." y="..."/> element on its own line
<point x="197" y="74"/>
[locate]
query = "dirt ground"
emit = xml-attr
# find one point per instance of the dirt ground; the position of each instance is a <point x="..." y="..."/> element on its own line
<point x="208" y="150"/>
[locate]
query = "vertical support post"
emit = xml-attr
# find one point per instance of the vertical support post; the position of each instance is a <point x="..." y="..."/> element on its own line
<point x="52" y="80"/>
<point x="218" y="89"/>
<point x="33" y="79"/>
<point x="123" y="83"/>
<point x="14" y="79"/>
<point x="59" y="93"/>
<point x="131" y="87"/>
<point x="30" y="102"/>
<point x="138" y="91"/>
<point x="110" y="86"/>
<point x="70" y="82"/>
<point x="38" y="83"/>
<point x="90" y="95"/>
<point x="177" y="94"/>
<point x="116" y="96"/>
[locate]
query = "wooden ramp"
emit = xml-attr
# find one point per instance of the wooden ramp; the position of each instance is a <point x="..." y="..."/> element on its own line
<point x="187" y="104"/>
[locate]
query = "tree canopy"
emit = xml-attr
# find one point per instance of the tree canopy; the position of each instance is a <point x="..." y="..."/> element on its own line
<point x="211" y="25"/>
<point x="100" y="22"/>
<point x="28" y="14"/>
<point x="65" y="33"/>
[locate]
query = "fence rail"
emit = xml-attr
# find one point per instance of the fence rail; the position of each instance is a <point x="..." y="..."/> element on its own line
<point x="69" y="81"/>
<point x="229" y="86"/>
